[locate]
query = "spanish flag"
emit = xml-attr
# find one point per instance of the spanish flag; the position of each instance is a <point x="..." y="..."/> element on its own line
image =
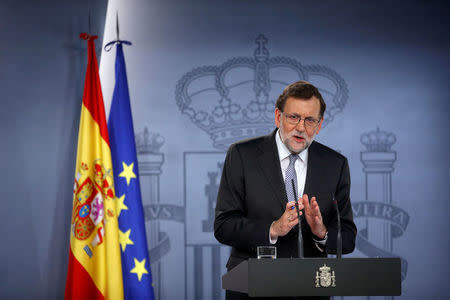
<point x="94" y="270"/>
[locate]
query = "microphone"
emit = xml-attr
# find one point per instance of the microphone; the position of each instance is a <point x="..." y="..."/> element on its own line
<point x="300" y="235"/>
<point x="339" y="237"/>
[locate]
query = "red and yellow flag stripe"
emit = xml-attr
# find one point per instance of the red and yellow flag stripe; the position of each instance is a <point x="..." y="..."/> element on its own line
<point x="95" y="270"/>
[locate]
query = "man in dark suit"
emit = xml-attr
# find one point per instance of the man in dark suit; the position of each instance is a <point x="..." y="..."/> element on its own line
<point x="255" y="194"/>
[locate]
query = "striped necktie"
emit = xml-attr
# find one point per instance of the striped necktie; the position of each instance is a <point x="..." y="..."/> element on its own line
<point x="291" y="174"/>
<point x="292" y="194"/>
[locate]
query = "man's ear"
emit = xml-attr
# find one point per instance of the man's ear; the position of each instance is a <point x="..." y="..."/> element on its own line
<point x="277" y="117"/>
<point x="320" y="126"/>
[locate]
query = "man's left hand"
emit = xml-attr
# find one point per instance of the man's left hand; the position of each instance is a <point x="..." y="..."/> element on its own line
<point x="313" y="216"/>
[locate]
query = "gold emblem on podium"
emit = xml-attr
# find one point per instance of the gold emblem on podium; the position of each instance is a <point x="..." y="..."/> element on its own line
<point x="325" y="278"/>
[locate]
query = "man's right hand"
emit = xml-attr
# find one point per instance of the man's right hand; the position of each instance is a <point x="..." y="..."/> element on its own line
<point x="284" y="224"/>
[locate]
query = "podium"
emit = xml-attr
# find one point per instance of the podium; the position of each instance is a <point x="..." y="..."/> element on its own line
<point x="284" y="277"/>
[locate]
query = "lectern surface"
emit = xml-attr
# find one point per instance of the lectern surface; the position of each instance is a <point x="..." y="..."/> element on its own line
<point x="316" y="277"/>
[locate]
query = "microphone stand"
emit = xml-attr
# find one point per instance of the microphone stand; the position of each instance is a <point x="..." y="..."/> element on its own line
<point x="339" y="236"/>
<point x="300" y="235"/>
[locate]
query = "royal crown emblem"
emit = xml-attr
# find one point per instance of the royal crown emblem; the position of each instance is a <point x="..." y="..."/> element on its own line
<point x="378" y="140"/>
<point x="236" y="99"/>
<point x="148" y="142"/>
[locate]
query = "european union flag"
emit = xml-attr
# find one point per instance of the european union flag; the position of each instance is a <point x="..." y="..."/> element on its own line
<point x="137" y="277"/>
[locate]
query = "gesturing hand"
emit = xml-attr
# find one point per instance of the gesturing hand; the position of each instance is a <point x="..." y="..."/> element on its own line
<point x="284" y="224"/>
<point x="313" y="216"/>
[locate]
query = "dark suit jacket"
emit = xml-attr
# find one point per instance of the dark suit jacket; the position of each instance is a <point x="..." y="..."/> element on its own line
<point x="252" y="195"/>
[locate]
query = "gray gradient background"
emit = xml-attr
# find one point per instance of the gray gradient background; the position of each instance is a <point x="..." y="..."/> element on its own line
<point x="394" y="58"/>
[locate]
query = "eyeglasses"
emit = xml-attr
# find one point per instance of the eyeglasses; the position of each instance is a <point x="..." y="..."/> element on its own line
<point x="309" y="122"/>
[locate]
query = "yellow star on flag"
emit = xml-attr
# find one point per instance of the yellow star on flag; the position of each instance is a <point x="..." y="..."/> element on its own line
<point x="124" y="239"/>
<point x="127" y="172"/>
<point x="121" y="204"/>
<point x="139" y="268"/>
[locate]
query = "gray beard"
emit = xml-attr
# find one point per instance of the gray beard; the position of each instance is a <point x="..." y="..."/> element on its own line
<point x="307" y="143"/>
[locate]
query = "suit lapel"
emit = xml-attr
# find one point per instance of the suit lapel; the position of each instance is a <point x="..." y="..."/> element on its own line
<point x="312" y="174"/>
<point x="269" y="162"/>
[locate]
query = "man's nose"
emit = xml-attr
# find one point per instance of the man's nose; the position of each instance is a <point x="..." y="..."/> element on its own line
<point x="300" y="125"/>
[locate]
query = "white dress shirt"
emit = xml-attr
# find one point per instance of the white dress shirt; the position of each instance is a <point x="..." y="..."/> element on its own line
<point x="301" y="164"/>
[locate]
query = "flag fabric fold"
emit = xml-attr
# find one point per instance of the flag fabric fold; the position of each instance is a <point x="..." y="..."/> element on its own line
<point x="94" y="270"/>
<point x="137" y="278"/>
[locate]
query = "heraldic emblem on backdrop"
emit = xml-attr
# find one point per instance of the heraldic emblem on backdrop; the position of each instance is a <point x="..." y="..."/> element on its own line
<point x="230" y="102"/>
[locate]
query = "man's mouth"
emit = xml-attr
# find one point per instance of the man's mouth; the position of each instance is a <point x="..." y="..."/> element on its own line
<point x="298" y="138"/>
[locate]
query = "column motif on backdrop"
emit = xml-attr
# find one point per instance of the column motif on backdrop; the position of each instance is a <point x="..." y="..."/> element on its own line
<point x="151" y="160"/>
<point x="383" y="220"/>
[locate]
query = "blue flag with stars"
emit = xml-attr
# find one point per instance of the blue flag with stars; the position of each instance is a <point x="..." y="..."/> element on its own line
<point x="137" y="277"/>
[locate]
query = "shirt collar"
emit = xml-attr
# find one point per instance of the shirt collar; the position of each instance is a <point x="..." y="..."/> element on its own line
<point x="283" y="151"/>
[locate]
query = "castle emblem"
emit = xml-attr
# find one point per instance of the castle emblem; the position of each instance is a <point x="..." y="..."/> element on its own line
<point x="325" y="278"/>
